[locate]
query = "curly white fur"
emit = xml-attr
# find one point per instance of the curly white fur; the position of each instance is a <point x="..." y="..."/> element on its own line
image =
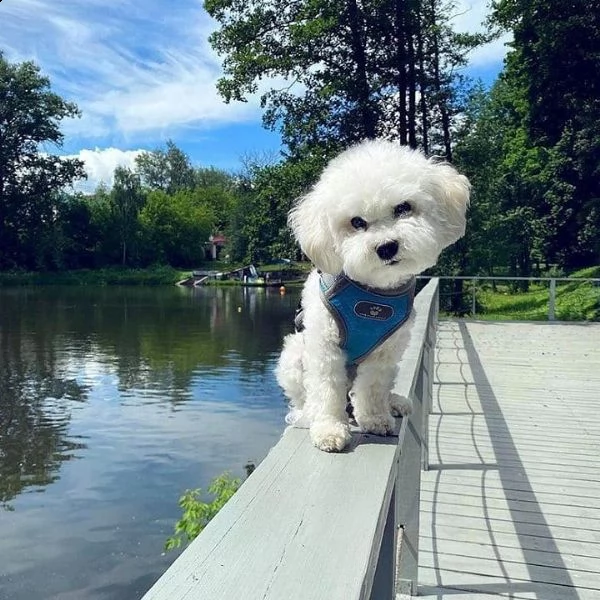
<point x="405" y="201"/>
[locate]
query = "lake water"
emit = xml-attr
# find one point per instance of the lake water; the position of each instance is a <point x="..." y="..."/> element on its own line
<point x="113" y="401"/>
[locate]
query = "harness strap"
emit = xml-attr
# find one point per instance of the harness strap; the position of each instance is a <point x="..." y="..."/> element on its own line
<point x="365" y="317"/>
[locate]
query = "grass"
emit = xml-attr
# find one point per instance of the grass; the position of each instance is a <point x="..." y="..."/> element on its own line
<point x="159" y="275"/>
<point x="576" y="301"/>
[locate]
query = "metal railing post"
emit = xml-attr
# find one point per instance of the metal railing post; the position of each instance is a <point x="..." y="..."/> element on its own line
<point x="552" y="300"/>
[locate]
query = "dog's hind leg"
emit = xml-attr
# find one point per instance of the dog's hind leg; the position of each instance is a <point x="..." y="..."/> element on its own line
<point x="399" y="405"/>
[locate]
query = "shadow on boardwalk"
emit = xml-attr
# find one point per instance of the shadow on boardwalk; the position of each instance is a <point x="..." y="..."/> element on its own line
<point x="509" y="504"/>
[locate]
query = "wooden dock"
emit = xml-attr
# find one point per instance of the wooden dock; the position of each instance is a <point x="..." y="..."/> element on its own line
<point x="510" y="506"/>
<point x="506" y="427"/>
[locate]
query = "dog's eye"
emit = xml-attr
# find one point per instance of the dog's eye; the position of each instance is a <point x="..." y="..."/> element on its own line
<point x="358" y="223"/>
<point x="402" y="209"/>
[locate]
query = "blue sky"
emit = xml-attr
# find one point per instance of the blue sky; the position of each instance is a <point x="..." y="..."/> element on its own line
<point x="144" y="72"/>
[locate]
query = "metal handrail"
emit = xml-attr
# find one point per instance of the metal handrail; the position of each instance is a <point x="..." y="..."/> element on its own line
<point x="551" y="290"/>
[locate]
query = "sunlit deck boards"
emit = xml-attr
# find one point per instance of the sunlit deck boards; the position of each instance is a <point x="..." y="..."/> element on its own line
<point x="511" y="503"/>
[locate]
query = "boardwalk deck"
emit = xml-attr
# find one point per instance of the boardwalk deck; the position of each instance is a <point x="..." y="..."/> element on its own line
<point x="511" y="504"/>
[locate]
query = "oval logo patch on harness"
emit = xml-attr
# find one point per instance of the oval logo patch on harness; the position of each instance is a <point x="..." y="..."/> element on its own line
<point x="370" y="310"/>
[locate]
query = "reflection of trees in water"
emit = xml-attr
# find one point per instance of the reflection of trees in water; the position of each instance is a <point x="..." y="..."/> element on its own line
<point x="35" y="401"/>
<point x="164" y="337"/>
<point x="158" y="339"/>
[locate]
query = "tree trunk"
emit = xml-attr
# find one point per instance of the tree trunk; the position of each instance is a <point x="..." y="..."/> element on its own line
<point x="368" y="117"/>
<point x="422" y="84"/>
<point x="437" y="83"/>
<point x="401" y="68"/>
<point x="412" y="25"/>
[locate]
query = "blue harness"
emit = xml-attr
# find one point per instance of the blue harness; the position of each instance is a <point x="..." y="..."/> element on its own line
<point x="365" y="317"/>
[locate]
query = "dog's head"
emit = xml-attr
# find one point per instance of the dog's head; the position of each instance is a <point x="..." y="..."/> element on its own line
<point x="381" y="212"/>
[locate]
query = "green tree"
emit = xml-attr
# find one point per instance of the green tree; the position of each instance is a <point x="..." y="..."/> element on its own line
<point x="30" y="180"/>
<point x="126" y="202"/>
<point x="352" y="68"/>
<point x="555" y="61"/>
<point x="176" y="227"/>
<point x="168" y="170"/>
<point x="258" y="229"/>
<point x="211" y="177"/>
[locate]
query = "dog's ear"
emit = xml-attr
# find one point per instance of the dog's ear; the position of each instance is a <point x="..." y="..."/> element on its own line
<point x="311" y="228"/>
<point x="453" y="191"/>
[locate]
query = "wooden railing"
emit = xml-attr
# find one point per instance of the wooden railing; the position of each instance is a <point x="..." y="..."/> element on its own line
<point x="310" y="525"/>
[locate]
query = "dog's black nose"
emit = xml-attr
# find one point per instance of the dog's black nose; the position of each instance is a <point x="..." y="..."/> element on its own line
<point x="387" y="251"/>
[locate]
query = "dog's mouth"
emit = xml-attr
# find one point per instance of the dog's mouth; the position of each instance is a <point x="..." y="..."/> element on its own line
<point x="393" y="261"/>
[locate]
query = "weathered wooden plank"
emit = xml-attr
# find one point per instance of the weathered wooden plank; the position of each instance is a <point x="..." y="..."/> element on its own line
<point x="567" y="431"/>
<point x="494" y="481"/>
<point x="478" y="404"/>
<point x="513" y="570"/>
<point x="509" y="521"/>
<point x="445" y="441"/>
<point x="493" y="552"/>
<point x="516" y="479"/>
<point x="475" y="438"/>
<point x="486" y="503"/>
<point x="444" y="496"/>
<point x="428" y="592"/>
<point x="547" y="498"/>
<point x="500" y="586"/>
<point x="538" y="464"/>
<point x="441" y="531"/>
<point x="267" y="540"/>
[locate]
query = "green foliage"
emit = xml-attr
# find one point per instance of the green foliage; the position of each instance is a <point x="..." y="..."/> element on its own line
<point x="574" y="302"/>
<point x="545" y="111"/>
<point x="126" y="202"/>
<point x="175" y="227"/>
<point x="354" y="69"/>
<point x="168" y="170"/>
<point x="530" y="145"/>
<point x="258" y="230"/>
<point x="31" y="180"/>
<point x="197" y="512"/>
<point x="158" y="275"/>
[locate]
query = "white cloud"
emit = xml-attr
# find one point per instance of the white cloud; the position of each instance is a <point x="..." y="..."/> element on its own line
<point x="132" y="68"/>
<point x="492" y="53"/>
<point x="100" y="165"/>
<point x="470" y="16"/>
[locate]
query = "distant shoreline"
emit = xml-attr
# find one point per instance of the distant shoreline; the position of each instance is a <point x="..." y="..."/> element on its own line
<point x="162" y="275"/>
<point x="149" y="276"/>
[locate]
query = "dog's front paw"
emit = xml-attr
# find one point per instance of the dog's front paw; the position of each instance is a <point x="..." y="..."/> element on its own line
<point x="400" y="405"/>
<point x="330" y="436"/>
<point x="377" y="424"/>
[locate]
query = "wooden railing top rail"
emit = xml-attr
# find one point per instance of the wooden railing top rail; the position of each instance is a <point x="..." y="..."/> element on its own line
<point x="306" y="524"/>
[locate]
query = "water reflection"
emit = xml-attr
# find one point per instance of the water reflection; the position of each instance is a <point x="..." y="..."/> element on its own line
<point x="154" y="391"/>
<point x="36" y="396"/>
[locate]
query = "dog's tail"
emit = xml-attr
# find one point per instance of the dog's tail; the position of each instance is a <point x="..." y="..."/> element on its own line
<point x="290" y="375"/>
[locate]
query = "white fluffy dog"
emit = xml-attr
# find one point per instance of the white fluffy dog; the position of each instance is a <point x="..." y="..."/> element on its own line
<point x="380" y="214"/>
